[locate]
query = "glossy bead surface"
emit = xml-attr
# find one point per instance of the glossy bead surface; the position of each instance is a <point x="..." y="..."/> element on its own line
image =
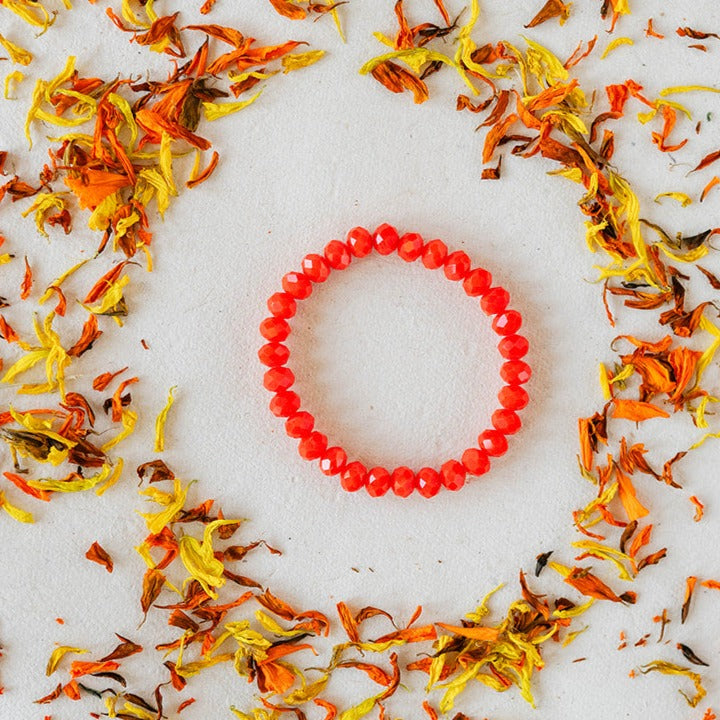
<point x="495" y="300"/>
<point x="506" y="421"/>
<point x="353" y="477"/>
<point x="282" y="305"/>
<point x="297" y="284"/>
<point x="360" y="242"/>
<point x="313" y="446"/>
<point x="386" y="239"/>
<point x="452" y="475"/>
<point x="428" y="482"/>
<point x="513" y="397"/>
<point x="278" y="378"/>
<point x="513" y="347"/>
<point x="333" y="460"/>
<point x="315" y="267"/>
<point x="515" y="372"/>
<point x="475" y="461"/>
<point x="274" y="329"/>
<point x="378" y="482"/>
<point x="403" y="481"/>
<point x="299" y="425"/>
<point x="338" y="255"/>
<point x="410" y="247"/>
<point x="284" y="403"/>
<point x="492" y="442"/>
<point x="457" y="265"/>
<point x="507" y="323"/>
<point x="477" y="282"/>
<point x="273" y="354"/>
<point x="434" y="254"/>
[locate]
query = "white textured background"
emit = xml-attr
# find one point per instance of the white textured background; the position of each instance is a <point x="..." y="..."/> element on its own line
<point x="396" y="363"/>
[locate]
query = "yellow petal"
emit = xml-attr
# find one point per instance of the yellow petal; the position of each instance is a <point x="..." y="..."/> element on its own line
<point x="214" y="111"/>
<point x="160" y="422"/>
<point x="57" y="655"/>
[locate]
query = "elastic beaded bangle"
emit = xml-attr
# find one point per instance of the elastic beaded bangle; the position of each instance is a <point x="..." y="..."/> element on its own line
<point x="300" y="424"/>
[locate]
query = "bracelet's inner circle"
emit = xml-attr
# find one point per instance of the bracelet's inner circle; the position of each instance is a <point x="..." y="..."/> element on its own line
<point x="397" y="364"/>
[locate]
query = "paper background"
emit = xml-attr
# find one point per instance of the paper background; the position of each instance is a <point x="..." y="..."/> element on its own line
<point x="394" y="361"/>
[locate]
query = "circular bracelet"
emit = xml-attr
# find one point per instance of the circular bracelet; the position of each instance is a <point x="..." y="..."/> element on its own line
<point x="300" y="424"/>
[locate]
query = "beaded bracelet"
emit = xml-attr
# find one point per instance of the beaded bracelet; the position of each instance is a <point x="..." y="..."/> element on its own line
<point x="299" y="424"/>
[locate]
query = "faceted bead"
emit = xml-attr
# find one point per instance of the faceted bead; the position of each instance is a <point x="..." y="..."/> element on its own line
<point x="428" y="482"/>
<point x="285" y="403"/>
<point x="297" y="284"/>
<point x="434" y="254"/>
<point x="492" y="442"/>
<point x="278" y="378"/>
<point x="457" y="265"/>
<point x="282" y="305"/>
<point x="477" y="282"/>
<point x="360" y="242"/>
<point x="313" y="446"/>
<point x="495" y="300"/>
<point x="273" y="354"/>
<point x="299" y="425"/>
<point x="507" y="323"/>
<point x="475" y="461"/>
<point x="515" y="372"/>
<point x="315" y="267"/>
<point x="403" y="481"/>
<point x="410" y="247"/>
<point x="274" y="329"/>
<point x="452" y="475"/>
<point x="386" y="239"/>
<point x="333" y="460"/>
<point x="513" y="397"/>
<point x="378" y="482"/>
<point x="353" y="477"/>
<point x="513" y="347"/>
<point x="506" y="421"/>
<point x="337" y="255"/>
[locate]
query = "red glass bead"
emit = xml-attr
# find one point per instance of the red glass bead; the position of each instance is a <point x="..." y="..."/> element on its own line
<point x="494" y="443"/>
<point x="333" y="460"/>
<point x="284" y="403"/>
<point x="337" y="255"/>
<point x="475" y="461"/>
<point x="434" y="254"/>
<point x="282" y="305"/>
<point x="495" y="300"/>
<point x="513" y="397"/>
<point x="386" y="239"/>
<point x="403" y="481"/>
<point x="428" y="482"/>
<point x="378" y="482"/>
<point x="299" y="425"/>
<point x="477" y="282"/>
<point x="353" y="477"/>
<point x="297" y="284"/>
<point x="278" y="378"/>
<point x="515" y="372"/>
<point x="315" y="267"/>
<point x="313" y="446"/>
<point x="506" y="421"/>
<point x="360" y="242"/>
<point x="274" y="329"/>
<point x="457" y="265"/>
<point x="273" y="354"/>
<point x="513" y="347"/>
<point x="452" y="475"/>
<point x="410" y="247"/>
<point x="507" y="323"/>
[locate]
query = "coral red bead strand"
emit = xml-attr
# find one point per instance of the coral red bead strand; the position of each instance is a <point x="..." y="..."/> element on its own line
<point x="300" y="424"/>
